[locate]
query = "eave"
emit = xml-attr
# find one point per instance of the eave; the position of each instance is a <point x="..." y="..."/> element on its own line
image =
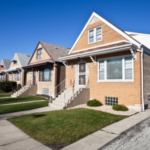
<point x="98" y="52"/>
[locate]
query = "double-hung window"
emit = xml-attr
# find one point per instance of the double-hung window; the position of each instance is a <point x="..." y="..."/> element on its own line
<point x="18" y="76"/>
<point x="39" y="53"/>
<point x="95" y="35"/>
<point x="115" y="69"/>
<point x="45" y="74"/>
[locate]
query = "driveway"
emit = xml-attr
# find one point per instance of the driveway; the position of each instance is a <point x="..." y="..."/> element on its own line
<point x="136" y="138"/>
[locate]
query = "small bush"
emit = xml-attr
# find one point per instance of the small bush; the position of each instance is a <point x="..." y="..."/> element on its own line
<point x="94" y="103"/>
<point x="120" y="108"/>
<point x="8" y="86"/>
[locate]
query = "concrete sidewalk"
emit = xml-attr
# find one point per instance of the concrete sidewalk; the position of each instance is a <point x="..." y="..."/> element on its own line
<point x="98" y="139"/>
<point x="12" y="138"/>
<point x="21" y="113"/>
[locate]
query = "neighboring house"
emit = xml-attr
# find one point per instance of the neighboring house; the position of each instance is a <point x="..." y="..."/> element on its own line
<point x="113" y="63"/>
<point x="5" y="64"/>
<point x="15" y="71"/>
<point x="44" y="70"/>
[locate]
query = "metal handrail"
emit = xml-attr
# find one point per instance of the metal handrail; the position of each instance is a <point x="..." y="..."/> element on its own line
<point x="63" y="83"/>
<point x="73" y="89"/>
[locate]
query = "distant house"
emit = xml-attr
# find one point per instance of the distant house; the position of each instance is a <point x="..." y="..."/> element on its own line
<point x="45" y="71"/>
<point x="113" y="63"/>
<point x="15" y="71"/>
<point x="5" y="64"/>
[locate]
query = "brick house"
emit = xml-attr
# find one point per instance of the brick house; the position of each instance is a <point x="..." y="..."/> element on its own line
<point x="15" y="71"/>
<point x="44" y="71"/>
<point x="114" y="63"/>
<point x="5" y="64"/>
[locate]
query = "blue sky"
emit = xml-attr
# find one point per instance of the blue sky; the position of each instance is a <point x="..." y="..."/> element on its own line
<point x="23" y="23"/>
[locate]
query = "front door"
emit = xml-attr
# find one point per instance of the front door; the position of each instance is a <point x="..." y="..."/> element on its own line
<point x="34" y="77"/>
<point x="82" y="73"/>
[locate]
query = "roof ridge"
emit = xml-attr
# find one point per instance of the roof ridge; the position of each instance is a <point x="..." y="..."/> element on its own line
<point x="54" y="44"/>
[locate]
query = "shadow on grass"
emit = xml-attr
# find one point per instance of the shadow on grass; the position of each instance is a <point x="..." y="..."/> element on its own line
<point x="38" y="115"/>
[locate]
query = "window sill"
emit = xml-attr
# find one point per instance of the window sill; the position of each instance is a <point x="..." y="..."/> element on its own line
<point x="116" y="81"/>
<point x="94" y="42"/>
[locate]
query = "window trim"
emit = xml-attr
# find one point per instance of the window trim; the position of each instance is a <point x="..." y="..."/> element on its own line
<point x="72" y="65"/>
<point x="50" y="75"/>
<point x="123" y="69"/>
<point x="40" y="53"/>
<point x="95" y="34"/>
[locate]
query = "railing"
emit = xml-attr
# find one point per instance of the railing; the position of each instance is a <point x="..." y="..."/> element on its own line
<point x="60" y="88"/>
<point x="72" y="90"/>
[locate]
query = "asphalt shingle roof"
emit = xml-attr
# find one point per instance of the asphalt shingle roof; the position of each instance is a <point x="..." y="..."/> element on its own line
<point x="23" y="58"/>
<point x="55" y="51"/>
<point x="7" y="63"/>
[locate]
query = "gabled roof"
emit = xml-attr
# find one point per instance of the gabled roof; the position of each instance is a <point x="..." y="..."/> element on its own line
<point x="23" y="58"/>
<point x="141" y="37"/>
<point x="54" y="51"/>
<point x="121" y="32"/>
<point x="7" y="63"/>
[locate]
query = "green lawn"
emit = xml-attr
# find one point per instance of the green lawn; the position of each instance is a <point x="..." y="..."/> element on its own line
<point x="20" y="99"/>
<point x="5" y="95"/>
<point x="63" y="127"/>
<point x="21" y="107"/>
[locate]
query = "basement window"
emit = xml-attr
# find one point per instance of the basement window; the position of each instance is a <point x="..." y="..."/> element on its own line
<point x="111" y="101"/>
<point x="45" y="91"/>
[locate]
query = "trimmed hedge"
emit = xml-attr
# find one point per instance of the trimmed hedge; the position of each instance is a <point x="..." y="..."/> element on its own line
<point x="8" y="86"/>
<point x="94" y="103"/>
<point x="120" y="108"/>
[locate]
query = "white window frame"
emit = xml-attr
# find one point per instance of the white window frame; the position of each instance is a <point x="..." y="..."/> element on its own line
<point x="95" y="34"/>
<point x="71" y="66"/>
<point x="123" y="70"/>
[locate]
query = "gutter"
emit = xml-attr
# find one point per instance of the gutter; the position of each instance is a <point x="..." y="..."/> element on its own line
<point x="142" y="77"/>
<point x="97" y="52"/>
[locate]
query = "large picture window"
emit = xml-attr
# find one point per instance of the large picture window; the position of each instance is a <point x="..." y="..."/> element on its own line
<point x="45" y="74"/>
<point x="116" y="69"/>
<point x="39" y="53"/>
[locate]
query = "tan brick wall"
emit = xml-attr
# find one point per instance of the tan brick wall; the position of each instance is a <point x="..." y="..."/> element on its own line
<point x="108" y="36"/>
<point x="18" y="63"/>
<point x="128" y="93"/>
<point x="44" y="56"/>
<point x="146" y="69"/>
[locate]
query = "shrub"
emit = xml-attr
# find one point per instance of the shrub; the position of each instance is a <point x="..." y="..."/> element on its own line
<point x="120" y="108"/>
<point x="94" y="103"/>
<point x="8" y="86"/>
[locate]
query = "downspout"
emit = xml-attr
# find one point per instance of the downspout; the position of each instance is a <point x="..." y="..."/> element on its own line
<point x="142" y="77"/>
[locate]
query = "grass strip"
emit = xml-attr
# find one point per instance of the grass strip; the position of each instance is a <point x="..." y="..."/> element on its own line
<point x="20" y="99"/>
<point x="21" y="107"/>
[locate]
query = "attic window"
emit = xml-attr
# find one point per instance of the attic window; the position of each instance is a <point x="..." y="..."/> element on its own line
<point x="95" y="35"/>
<point x="15" y="62"/>
<point x="39" y="53"/>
